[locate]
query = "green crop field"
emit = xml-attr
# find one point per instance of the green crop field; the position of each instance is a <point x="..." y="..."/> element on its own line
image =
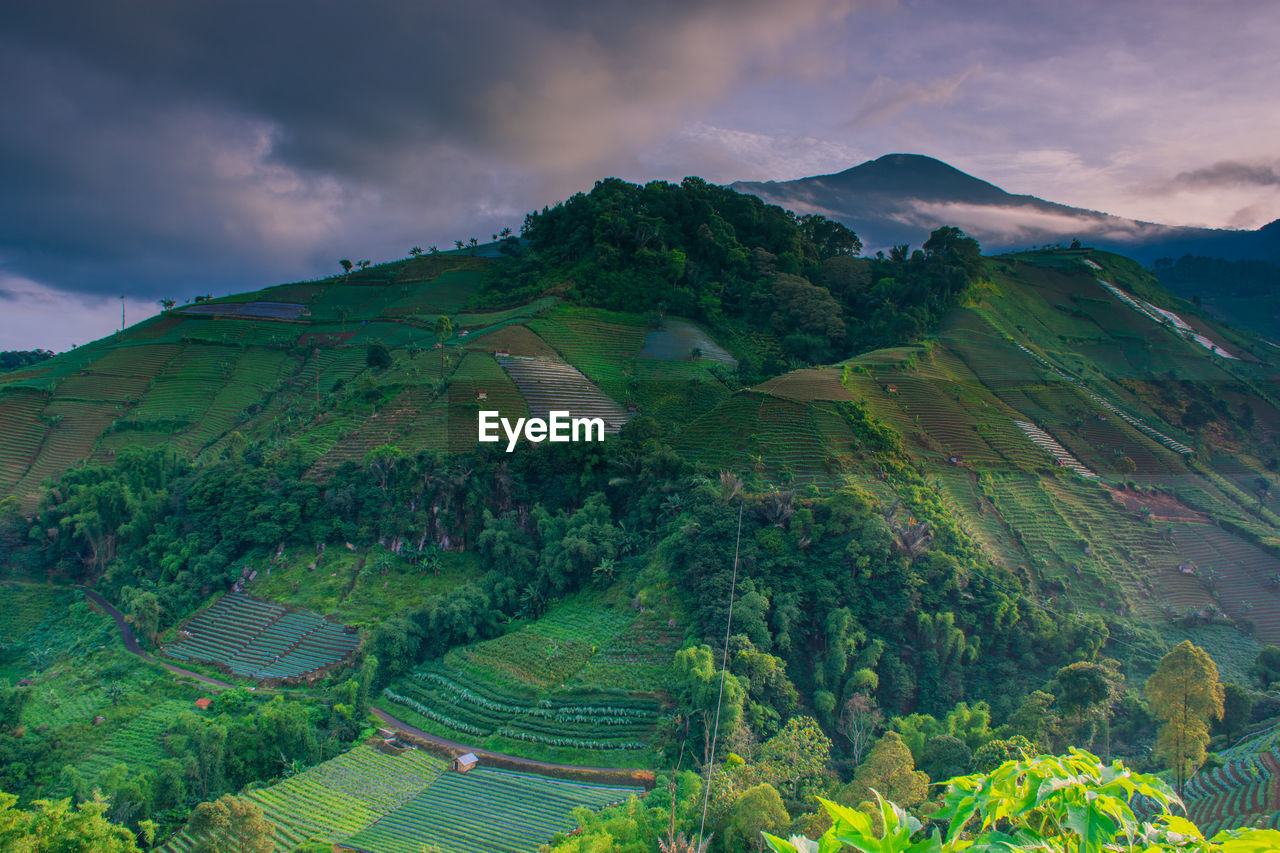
<point x="600" y="344"/>
<point x="339" y="797"/>
<point x="577" y="683"/>
<point x="484" y="811"/>
<point x="256" y="639"/>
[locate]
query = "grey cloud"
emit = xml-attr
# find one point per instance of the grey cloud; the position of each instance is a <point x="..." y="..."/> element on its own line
<point x="224" y="144"/>
<point x="1228" y="173"/>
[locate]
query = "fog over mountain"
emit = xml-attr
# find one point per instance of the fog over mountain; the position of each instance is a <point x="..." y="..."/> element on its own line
<point x="900" y="198"/>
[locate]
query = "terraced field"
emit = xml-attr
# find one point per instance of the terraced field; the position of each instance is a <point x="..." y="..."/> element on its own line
<point x="137" y="744"/>
<point x="680" y="340"/>
<point x="258" y="640"/>
<point x="556" y="385"/>
<point x="484" y="811"/>
<point x="1237" y="794"/>
<point x="23" y="607"/>
<point x="549" y="685"/>
<point x="1243" y="577"/>
<point x="339" y="797"/>
<point x="603" y="346"/>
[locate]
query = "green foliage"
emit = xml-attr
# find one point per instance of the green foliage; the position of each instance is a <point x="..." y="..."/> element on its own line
<point x="1067" y="804"/>
<point x="54" y="827"/>
<point x="230" y="824"/>
<point x="757" y="810"/>
<point x="377" y="357"/>
<point x="704" y="251"/>
<point x="1185" y="693"/>
<point x="890" y="770"/>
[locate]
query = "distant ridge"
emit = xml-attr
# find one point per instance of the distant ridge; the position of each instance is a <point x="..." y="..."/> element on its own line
<point x="900" y="198"/>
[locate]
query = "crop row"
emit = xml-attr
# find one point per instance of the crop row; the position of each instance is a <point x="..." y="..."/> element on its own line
<point x="484" y="810"/>
<point x="262" y="640"/>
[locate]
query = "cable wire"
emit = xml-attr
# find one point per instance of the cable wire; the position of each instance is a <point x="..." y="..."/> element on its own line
<point x="724" y="666"/>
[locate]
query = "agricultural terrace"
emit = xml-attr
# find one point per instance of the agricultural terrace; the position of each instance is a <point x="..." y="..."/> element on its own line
<point x="1243" y="792"/>
<point x="1239" y="574"/>
<point x="484" y="811"/>
<point x="602" y="344"/>
<point x="579" y="686"/>
<point x="339" y="797"/>
<point x="792" y="442"/>
<point x="136" y="744"/>
<point x="258" y="640"/>
<point x="680" y="340"/>
<point x="547" y="385"/>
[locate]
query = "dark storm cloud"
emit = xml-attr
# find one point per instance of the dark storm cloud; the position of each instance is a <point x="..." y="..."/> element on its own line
<point x="1228" y="173"/>
<point x="173" y="147"/>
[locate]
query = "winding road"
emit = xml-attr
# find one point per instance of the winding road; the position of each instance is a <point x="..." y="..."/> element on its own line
<point x="399" y="726"/>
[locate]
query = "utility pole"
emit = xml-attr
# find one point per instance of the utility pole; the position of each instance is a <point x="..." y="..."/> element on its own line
<point x="122" y="313"/>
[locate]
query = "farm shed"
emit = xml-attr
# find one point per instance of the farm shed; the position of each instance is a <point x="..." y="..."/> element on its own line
<point x="465" y="762"/>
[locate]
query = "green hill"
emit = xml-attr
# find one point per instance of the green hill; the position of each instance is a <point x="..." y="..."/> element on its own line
<point x="959" y="474"/>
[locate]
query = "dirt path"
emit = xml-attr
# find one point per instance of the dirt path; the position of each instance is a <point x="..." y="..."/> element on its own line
<point x="131" y="643"/>
<point x="412" y="732"/>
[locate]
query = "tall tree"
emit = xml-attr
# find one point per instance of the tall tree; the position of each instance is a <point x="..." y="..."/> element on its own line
<point x="443" y="331"/>
<point x="1185" y="693"/>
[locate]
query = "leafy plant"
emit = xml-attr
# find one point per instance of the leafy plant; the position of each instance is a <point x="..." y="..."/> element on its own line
<point x="1064" y="804"/>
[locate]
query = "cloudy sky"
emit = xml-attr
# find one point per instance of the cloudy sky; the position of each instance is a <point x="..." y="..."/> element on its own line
<point x="158" y="148"/>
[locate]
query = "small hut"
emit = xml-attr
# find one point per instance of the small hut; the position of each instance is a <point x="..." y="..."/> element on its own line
<point x="465" y="762"/>
<point x="203" y="703"/>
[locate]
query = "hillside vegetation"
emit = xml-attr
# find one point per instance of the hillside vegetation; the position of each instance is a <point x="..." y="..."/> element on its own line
<point x="980" y="500"/>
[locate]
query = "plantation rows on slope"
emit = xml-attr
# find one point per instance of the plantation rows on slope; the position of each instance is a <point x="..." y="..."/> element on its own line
<point x="582" y="685"/>
<point x="288" y="365"/>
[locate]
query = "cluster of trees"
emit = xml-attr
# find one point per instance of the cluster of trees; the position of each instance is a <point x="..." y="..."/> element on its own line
<point x="704" y="251"/>
<point x="15" y="359"/>
<point x="773" y="784"/>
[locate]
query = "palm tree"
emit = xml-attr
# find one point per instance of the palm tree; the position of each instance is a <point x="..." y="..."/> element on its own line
<point x="415" y="251"/>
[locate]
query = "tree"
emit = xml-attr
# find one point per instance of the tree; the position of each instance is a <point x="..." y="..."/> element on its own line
<point x="167" y="303"/>
<point x="945" y="757"/>
<point x="888" y="771"/>
<point x="859" y="720"/>
<point x="758" y="810"/>
<point x="443" y="330"/>
<point x="142" y="611"/>
<point x="53" y="827"/>
<point x="230" y="824"/>
<point x="415" y="251"/>
<point x="1266" y="667"/>
<point x="1237" y="709"/>
<point x="994" y="753"/>
<point x="1185" y="693"/>
<point x="377" y="356"/>
<point x="1086" y="689"/>
<point x="346" y="265"/>
<point x="797" y="754"/>
<point x="698" y="692"/>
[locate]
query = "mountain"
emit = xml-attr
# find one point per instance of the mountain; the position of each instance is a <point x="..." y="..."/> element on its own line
<point x="931" y="483"/>
<point x="900" y="198"/>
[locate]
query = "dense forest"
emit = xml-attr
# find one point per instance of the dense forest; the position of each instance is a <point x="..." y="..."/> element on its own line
<point x="744" y="267"/>
<point x="15" y="359"/>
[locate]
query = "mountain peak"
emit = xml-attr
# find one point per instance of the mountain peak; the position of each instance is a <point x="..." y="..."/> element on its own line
<point x="914" y="176"/>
